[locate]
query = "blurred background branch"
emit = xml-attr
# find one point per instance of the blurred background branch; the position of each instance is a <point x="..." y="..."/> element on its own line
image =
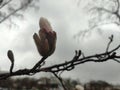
<point x="100" y="13"/>
<point x="10" y="8"/>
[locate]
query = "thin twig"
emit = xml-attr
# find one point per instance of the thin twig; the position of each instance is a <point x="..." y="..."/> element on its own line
<point x="64" y="66"/>
<point x="11" y="68"/>
<point x="111" y="39"/>
<point x="68" y="65"/>
<point x="6" y="3"/>
<point x="116" y="60"/>
<point x="38" y="64"/>
<point x="12" y="13"/>
<point x="61" y="81"/>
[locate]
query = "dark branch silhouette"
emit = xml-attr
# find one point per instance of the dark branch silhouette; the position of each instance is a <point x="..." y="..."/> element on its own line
<point x="78" y="58"/>
<point x="57" y="69"/>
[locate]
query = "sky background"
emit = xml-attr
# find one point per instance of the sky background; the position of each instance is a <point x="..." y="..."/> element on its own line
<point x="67" y="18"/>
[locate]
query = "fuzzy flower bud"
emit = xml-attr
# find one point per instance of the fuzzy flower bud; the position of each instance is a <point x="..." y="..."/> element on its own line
<point x="10" y="55"/>
<point x="46" y="39"/>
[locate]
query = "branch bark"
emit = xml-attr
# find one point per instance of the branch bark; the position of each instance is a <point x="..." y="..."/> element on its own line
<point x="78" y="59"/>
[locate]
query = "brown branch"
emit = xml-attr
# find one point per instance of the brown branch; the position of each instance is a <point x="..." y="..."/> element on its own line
<point x="38" y="65"/>
<point x="11" y="68"/>
<point x="68" y="65"/>
<point x="61" y="81"/>
<point x="111" y="39"/>
<point x="116" y="60"/>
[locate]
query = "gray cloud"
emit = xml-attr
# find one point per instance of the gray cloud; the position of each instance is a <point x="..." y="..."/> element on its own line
<point x="67" y="19"/>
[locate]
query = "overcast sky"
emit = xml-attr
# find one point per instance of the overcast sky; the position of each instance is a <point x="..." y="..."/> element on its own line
<point x="67" y="19"/>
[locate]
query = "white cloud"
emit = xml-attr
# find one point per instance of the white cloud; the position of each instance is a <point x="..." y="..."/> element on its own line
<point x="67" y="19"/>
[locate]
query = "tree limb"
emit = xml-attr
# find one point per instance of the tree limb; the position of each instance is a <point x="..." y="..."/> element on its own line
<point x="13" y="12"/>
<point x="68" y="65"/>
<point x="6" y="3"/>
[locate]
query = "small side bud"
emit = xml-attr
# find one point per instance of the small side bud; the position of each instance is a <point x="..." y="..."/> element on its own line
<point x="10" y="55"/>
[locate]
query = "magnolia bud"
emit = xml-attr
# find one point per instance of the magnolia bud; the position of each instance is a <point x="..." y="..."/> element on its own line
<point x="42" y="45"/>
<point x="10" y="55"/>
<point x="44" y="23"/>
<point x="46" y="39"/>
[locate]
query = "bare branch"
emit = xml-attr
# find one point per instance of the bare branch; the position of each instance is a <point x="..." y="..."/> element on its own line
<point x="61" y="81"/>
<point x="14" y="11"/>
<point x="116" y="60"/>
<point x="67" y="65"/>
<point x="103" y="9"/>
<point x="102" y="13"/>
<point x="111" y="39"/>
<point x="118" y="5"/>
<point x="38" y="65"/>
<point x="6" y="3"/>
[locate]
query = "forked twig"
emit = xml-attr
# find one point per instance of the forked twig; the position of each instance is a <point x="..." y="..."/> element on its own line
<point x="68" y="65"/>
